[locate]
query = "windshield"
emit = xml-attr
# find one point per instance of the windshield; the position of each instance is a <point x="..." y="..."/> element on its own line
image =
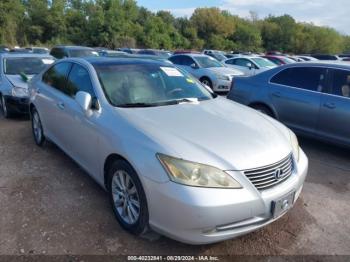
<point x="82" y="53"/>
<point x="142" y="85"/>
<point x="207" y="62"/>
<point x="26" y="65"/>
<point x="263" y="62"/>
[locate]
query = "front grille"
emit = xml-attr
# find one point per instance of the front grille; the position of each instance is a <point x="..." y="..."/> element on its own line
<point x="272" y="175"/>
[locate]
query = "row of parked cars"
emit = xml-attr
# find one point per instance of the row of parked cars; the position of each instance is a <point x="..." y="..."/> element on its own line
<point x="174" y="156"/>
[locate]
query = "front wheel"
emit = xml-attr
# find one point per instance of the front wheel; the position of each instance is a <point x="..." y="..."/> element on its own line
<point x="206" y="81"/>
<point x="37" y="128"/>
<point x="127" y="197"/>
<point x="4" y="109"/>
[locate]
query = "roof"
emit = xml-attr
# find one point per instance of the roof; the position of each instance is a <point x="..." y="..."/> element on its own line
<point x="20" y="55"/>
<point x="335" y="64"/>
<point x="122" y="61"/>
<point x="73" y="47"/>
<point x="192" y="55"/>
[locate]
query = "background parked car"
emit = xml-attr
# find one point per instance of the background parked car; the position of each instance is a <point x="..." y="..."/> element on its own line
<point x="325" y="57"/>
<point x="60" y="52"/>
<point x="38" y="50"/>
<point x="279" y="59"/>
<point x="307" y="58"/>
<point x="311" y="98"/>
<point x="160" y="53"/>
<point x="15" y="71"/>
<point x="208" y="70"/>
<point x="250" y="65"/>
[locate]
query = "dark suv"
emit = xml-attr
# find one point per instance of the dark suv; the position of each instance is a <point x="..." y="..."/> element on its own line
<point x="60" y="52"/>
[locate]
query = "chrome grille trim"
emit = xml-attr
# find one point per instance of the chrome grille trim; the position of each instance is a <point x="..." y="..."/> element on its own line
<point x="265" y="177"/>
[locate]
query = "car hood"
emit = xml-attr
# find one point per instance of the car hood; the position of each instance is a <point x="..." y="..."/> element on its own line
<point x="17" y="80"/>
<point x="225" y="71"/>
<point x="216" y="132"/>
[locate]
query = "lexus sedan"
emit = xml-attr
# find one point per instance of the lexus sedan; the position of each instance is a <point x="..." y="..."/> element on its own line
<point x="250" y="65"/>
<point x="147" y="132"/>
<point x="15" y="71"/>
<point x="312" y="98"/>
<point x="208" y="70"/>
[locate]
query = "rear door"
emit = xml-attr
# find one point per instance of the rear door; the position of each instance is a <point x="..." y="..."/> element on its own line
<point x="334" y="119"/>
<point x="296" y="95"/>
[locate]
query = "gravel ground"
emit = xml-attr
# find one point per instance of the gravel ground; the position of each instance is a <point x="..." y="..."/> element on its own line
<point x="50" y="206"/>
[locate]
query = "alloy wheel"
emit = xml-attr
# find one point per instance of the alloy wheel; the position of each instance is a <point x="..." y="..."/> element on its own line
<point x="37" y="127"/>
<point x="125" y="197"/>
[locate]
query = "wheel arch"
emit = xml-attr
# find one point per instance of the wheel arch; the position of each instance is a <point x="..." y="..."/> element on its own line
<point x="110" y="159"/>
<point x="257" y="103"/>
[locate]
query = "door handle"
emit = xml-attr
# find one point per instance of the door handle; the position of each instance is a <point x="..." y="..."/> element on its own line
<point x="276" y="94"/>
<point x="60" y="105"/>
<point x="330" y="105"/>
<point x="37" y="90"/>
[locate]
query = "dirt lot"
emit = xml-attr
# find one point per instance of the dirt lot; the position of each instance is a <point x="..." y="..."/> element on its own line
<point x="50" y="206"/>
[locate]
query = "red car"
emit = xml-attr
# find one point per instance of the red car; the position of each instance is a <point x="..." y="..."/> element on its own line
<point x="279" y="60"/>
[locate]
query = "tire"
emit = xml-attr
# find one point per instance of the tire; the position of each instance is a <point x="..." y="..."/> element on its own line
<point x="127" y="197"/>
<point x="206" y="81"/>
<point x="263" y="109"/>
<point x="4" y="109"/>
<point x="37" y="128"/>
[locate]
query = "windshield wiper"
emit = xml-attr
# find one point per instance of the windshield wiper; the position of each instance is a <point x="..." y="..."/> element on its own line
<point x="129" y="105"/>
<point x="185" y="100"/>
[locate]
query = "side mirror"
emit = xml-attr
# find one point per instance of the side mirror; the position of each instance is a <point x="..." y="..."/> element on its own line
<point x="84" y="100"/>
<point x="250" y="66"/>
<point x="194" y="66"/>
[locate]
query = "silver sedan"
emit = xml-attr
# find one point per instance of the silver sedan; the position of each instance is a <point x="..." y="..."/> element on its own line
<point x="173" y="156"/>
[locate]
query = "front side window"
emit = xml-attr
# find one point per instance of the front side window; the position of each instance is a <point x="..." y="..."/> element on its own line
<point x="128" y="85"/>
<point x="207" y="62"/>
<point x="242" y="62"/>
<point x="340" y="84"/>
<point x="308" y="78"/>
<point x="79" y="80"/>
<point x="56" y="76"/>
<point x="26" y="65"/>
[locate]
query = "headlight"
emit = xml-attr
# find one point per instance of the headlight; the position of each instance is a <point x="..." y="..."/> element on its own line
<point x="295" y="144"/>
<point x="224" y="77"/>
<point x="20" y="92"/>
<point x="195" y="174"/>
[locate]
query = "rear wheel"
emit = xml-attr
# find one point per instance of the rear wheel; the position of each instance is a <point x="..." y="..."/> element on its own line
<point x="37" y="128"/>
<point x="263" y="109"/>
<point x="127" y="197"/>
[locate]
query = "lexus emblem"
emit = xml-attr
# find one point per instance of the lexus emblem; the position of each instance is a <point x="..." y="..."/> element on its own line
<point x="279" y="174"/>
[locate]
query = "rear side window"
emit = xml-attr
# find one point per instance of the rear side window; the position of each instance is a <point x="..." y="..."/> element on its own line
<point x="308" y="78"/>
<point x="79" y="80"/>
<point x="175" y="60"/>
<point x="341" y="83"/>
<point x="56" y="76"/>
<point x="187" y="61"/>
<point x="57" y="53"/>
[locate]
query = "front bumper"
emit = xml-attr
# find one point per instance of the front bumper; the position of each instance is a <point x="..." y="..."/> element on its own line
<point x="204" y="215"/>
<point x="222" y="85"/>
<point x="17" y="105"/>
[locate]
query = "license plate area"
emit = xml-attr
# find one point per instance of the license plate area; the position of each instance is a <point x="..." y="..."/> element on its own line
<point x="282" y="205"/>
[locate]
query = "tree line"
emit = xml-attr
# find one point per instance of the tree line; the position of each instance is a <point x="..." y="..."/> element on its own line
<point x="122" y="23"/>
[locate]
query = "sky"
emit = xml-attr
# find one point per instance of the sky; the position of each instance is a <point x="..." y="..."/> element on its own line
<point x="332" y="13"/>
